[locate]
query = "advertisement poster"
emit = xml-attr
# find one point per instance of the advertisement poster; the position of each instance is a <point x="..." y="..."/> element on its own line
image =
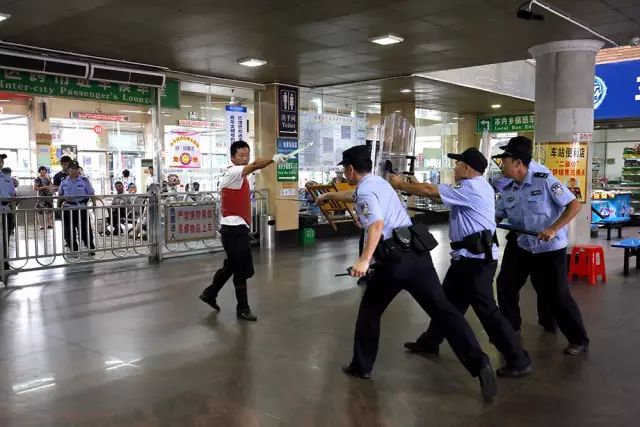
<point x="287" y="172"/>
<point x="183" y="149"/>
<point x="616" y="207"/>
<point x="189" y="223"/>
<point x="287" y="111"/>
<point x="43" y="155"/>
<point x="56" y="153"/>
<point x="567" y="161"/>
<point x="237" y="123"/>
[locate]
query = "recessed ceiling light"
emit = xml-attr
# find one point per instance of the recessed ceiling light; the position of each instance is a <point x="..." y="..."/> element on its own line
<point x="186" y="106"/>
<point x="405" y="90"/>
<point x="386" y="39"/>
<point x="251" y="62"/>
<point x="4" y="16"/>
<point x="496" y="106"/>
<point x="398" y="111"/>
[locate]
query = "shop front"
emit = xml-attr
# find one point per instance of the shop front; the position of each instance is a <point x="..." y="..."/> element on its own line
<point x="616" y="140"/>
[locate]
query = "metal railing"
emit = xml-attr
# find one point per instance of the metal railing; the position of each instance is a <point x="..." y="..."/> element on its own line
<point x="41" y="233"/>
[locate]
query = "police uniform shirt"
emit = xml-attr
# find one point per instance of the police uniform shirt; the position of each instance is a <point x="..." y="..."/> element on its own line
<point x="7" y="190"/>
<point x="534" y="205"/>
<point x="80" y="187"/>
<point x="376" y="200"/>
<point x="472" y="209"/>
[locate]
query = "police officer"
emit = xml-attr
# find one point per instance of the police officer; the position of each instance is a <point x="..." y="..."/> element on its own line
<point x="402" y="262"/>
<point x="469" y="280"/>
<point x="538" y="202"/>
<point x="508" y="268"/>
<point x="7" y="190"/>
<point x="76" y="191"/>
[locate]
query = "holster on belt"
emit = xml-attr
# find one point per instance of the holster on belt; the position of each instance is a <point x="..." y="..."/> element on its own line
<point x="478" y="243"/>
<point x="414" y="238"/>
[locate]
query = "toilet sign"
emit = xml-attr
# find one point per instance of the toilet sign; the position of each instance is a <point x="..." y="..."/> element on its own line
<point x="287" y="111"/>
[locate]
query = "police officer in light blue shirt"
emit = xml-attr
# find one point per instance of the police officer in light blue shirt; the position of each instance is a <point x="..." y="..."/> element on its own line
<point x="399" y="265"/>
<point x="507" y="269"/>
<point x="469" y="280"/>
<point x="7" y="191"/>
<point x="76" y="191"/>
<point x="539" y="203"/>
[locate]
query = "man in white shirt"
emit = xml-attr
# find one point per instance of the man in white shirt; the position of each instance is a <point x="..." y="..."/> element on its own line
<point x="234" y="230"/>
<point x="151" y="179"/>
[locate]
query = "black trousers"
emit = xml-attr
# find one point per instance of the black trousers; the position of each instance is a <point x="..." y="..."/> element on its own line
<point x="415" y="274"/>
<point x="239" y="264"/>
<point x="518" y="277"/>
<point x="469" y="282"/>
<point x="76" y="222"/>
<point x="4" y="223"/>
<point x="548" y="271"/>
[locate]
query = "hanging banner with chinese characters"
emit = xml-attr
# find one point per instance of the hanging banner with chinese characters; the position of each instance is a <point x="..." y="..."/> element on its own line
<point x="287" y="172"/>
<point x="236" y="123"/>
<point x="567" y="161"/>
<point x="287" y="111"/>
<point x="189" y="223"/>
<point x="183" y="149"/>
<point x="510" y="123"/>
<point x="68" y="87"/>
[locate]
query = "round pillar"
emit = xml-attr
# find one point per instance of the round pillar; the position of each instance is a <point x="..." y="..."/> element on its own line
<point x="565" y="72"/>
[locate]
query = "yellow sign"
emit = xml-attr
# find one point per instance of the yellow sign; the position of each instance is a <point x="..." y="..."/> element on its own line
<point x="567" y="161"/>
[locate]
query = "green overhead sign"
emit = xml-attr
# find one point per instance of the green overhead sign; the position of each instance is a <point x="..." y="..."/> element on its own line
<point x="510" y="123"/>
<point x="68" y="87"/>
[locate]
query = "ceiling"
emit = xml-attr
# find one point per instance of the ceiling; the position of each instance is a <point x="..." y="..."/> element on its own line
<point x="427" y="94"/>
<point x="306" y="42"/>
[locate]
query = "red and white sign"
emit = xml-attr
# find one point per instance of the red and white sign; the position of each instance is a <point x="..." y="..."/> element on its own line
<point x="188" y="223"/>
<point x="101" y="117"/>
<point x="184" y="150"/>
<point x="214" y="124"/>
<point x="98" y="129"/>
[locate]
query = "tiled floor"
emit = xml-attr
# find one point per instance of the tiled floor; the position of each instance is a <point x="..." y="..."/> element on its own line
<point x="135" y="347"/>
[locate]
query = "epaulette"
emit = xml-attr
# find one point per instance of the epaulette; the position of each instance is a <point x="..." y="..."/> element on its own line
<point x="544" y="175"/>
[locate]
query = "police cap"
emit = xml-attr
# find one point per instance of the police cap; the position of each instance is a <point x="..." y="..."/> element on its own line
<point x="472" y="157"/>
<point x="519" y="147"/>
<point x="355" y="155"/>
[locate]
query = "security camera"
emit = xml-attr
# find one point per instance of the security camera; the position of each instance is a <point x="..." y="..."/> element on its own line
<point x="635" y="41"/>
<point x="528" y="14"/>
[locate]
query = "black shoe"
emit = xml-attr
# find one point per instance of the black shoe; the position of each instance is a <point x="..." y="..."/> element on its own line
<point x="509" y="372"/>
<point x="351" y="371"/>
<point x="211" y="301"/>
<point x="92" y="253"/>
<point x="576" y="349"/>
<point x="246" y="315"/>
<point x="488" y="385"/>
<point x="416" y="347"/>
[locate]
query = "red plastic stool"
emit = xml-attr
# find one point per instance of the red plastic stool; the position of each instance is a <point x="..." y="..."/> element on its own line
<point x="587" y="260"/>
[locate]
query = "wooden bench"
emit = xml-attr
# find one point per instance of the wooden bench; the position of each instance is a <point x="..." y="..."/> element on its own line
<point x="631" y="248"/>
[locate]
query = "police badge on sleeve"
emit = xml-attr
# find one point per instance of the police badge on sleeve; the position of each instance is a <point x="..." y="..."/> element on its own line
<point x="557" y="189"/>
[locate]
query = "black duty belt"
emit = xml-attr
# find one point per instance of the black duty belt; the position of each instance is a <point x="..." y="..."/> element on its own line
<point x="414" y="238"/>
<point x="478" y="243"/>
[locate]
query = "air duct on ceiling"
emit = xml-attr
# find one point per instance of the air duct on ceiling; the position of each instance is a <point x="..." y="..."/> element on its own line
<point x="42" y="64"/>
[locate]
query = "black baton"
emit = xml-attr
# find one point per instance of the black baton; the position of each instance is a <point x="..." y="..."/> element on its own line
<point x="509" y="227"/>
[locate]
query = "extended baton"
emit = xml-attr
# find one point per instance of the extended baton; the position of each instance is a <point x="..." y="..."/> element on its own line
<point x="348" y="273"/>
<point x="509" y="227"/>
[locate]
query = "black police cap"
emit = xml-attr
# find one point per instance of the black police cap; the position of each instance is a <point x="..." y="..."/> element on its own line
<point x="472" y="157"/>
<point x="356" y="154"/>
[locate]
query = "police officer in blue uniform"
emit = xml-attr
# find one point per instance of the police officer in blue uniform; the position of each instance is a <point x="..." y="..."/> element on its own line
<point x="508" y="268"/>
<point x="401" y="252"/>
<point x="469" y="280"/>
<point x="538" y="202"/>
<point x="7" y="190"/>
<point x="77" y="192"/>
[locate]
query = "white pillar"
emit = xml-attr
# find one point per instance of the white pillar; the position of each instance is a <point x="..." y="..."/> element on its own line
<point x="565" y="72"/>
